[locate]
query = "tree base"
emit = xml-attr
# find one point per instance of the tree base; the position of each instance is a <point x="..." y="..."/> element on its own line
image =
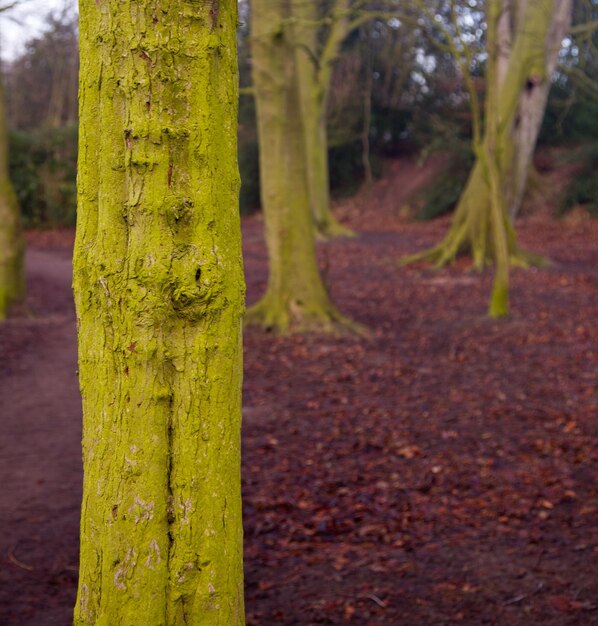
<point x="296" y="317"/>
<point x="448" y="250"/>
<point x="499" y="300"/>
<point x="446" y="254"/>
<point x="333" y="229"/>
<point x="12" y="301"/>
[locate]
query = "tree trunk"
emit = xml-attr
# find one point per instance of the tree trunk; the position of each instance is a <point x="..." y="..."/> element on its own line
<point x="314" y="72"/>
<point x="12" y="247"/>
<point x="367" y="114"/>
<point x="159" y="295"/>
<point x="489" y="157"/>
<point x="532" y="106"/>
<point x="58" y="93"/>
<point x="296" y="298"/>
<point x="472" y="226"/>
<point x="313" y="111"/>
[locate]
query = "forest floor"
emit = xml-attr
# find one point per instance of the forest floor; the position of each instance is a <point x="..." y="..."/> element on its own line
<point x="441" y="471"/>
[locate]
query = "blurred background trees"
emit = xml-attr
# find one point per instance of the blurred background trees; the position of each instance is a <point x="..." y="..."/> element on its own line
<point x="418" y="103"/>
<point x="12" y="270"/>
<point x="522" y="42"/>
<point x="41" y="102"/>
<point x="42" y="82"/>
<point x="381" y="83"/>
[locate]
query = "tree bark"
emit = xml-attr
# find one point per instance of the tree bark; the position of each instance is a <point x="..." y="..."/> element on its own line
<point x="489" y="157"/>
<point x="532" y="106"/>
<point x="12" y="246"/>
<point x="159" y="294"/>
<point x="314" y="74"/>
<point x="295" y="299"/>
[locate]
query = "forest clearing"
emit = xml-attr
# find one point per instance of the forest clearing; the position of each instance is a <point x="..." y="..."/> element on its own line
<point x="442" y="470"/>
<point x="298" y="307"/>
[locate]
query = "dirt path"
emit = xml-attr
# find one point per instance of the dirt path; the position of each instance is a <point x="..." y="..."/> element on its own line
<point x="40" y="460"/>
<point x="440" y="472"/>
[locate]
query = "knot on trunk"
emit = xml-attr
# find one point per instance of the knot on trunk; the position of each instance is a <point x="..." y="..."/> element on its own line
<point x="195" y="282"/>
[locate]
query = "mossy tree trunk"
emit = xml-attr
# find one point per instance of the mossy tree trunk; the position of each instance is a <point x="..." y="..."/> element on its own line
<point x="488" y="154"/>
<point x="532" y="106"/>
<point x="318" y="40"/>
<point x="315" y="63"/>
<point x="159" y="296"/>
<point x="296" y="298"/>
<point x="12" y="247"/>
<point x="537" y="63"/>
<point x="481" y="224"/>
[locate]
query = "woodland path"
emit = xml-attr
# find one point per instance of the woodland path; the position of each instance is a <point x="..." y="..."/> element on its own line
<point x="40" y="459"/>
<point x="443" y="471"/>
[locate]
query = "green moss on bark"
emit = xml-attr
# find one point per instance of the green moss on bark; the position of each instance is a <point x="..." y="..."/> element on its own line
<point x="159" y="295"/>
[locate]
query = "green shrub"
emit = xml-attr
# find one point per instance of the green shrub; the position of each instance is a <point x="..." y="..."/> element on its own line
<point x="43" y="168"/>
<point x="583" y="188"/>
<point x="248" y="154"/>
<point x="25" y="177"/>
<point x="569" y="121"/>
<point x="442" y="197"/>
<point x="249" y="169"/>
<point x="346" y="171"/>
<point x="392" y="132"/>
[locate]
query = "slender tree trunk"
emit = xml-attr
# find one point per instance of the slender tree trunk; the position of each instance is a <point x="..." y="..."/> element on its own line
<point x="313" y="114"/>
<point x="296" y="298"/>
<point x="367" y="115"/>
<point x="71" y="95"/>
<point x="314" y="73"/>
<point x="12" y="246"/>
<point x="58" y="93"/>
<point x="159" y="296"/>
<point x="489" y="156"/>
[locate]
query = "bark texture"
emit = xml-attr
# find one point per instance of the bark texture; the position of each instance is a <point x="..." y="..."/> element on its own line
<point x="159" y="295"/>
<point x="12" y="247"/>
<point x="296" y="298"/>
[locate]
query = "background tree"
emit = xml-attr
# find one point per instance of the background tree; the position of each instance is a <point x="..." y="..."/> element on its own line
<point x="572" y="113"/>
<point x="532" y="101"/>
<point x="12" y="244"/>
<point x="517" y="63"/>
<point x="296" y="298"/>
<point x="42" y="112"/>
<point x="317" y="46"/>
<point x="42" y="80"/>
<point x="321" y="29"/>
<point x="159" y="297"/>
